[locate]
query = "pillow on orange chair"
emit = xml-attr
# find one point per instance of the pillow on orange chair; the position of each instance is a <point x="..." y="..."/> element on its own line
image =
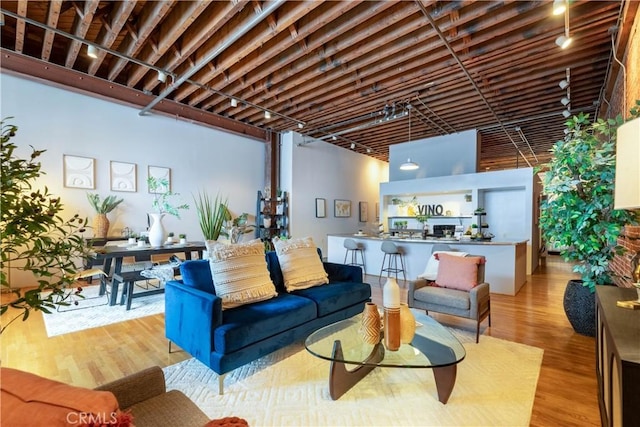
<point x="458" y="272"/>
<point x="29" y="399"/>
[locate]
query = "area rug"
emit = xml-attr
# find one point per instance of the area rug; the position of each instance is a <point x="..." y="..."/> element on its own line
<point x="93" y="311"/>
<point x="495" y="386"/>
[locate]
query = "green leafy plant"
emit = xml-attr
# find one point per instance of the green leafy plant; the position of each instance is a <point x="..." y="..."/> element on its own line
<point x="162" y="201"/>
<point x="35" y="236"/>
<point x="104" y="207"/>
<point x="212" y="214"/>
<point x="578" y="213"/>
<point x="234" y="228"/>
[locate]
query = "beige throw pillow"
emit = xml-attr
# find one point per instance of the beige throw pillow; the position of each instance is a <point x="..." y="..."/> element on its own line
<point x="240" y="274"/>
<point x="301" y="266"/>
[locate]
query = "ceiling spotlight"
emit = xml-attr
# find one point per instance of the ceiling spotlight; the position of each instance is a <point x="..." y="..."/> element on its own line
<point x="563" y="84"/>
<point x="300" y="125"/>
<point x="333" y="138"/>
<point x="353" y="146"/>
<point x="267" y="115"/>
<point x="565" y="101"/>
<point x="559" y="6"/>
<point x="566" y="114"/>
<point x="92" y="51"/>
<point x="409" y="166"/>
<point x="369" y="150"/>
<point x="162" y="76"/>
<point x="234" y="102"/>
<point x="563" y="41"/>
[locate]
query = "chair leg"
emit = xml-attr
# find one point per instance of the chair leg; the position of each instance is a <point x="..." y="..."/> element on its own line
<point x="477" y="331"/>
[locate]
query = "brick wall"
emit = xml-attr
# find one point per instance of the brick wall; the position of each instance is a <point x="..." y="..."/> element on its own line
<point x="630" y="238"/>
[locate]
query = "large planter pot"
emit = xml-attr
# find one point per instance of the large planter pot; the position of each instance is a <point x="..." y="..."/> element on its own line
<point x="100" y="225"/>
<point x="580" y="308"/>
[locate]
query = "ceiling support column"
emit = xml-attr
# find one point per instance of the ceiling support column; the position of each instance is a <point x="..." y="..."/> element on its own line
<point x="272" y="163"/>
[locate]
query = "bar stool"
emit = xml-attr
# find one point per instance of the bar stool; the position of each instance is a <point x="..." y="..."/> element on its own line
<point x="354" y="248"/>
<point x="392" y="253"/>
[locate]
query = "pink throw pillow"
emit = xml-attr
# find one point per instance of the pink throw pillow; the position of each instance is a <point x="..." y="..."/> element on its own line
<point x="458" y="272"/>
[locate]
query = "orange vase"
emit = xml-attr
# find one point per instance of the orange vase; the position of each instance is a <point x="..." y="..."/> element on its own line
<point x="370" y="324"/>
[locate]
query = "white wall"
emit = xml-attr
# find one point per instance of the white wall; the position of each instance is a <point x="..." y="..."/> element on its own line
<point x="64" y="122"/>
<point x="453" y="154"/>
<point x="322" y="170"/>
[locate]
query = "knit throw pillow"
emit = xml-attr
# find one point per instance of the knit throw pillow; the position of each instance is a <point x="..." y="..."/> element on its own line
<point x="301" y="266"/>
<point x="458" y="272"/>
<point x="240" y="274"/>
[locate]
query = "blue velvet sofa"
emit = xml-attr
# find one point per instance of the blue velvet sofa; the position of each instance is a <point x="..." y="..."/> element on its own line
<point x="226" y="340"/>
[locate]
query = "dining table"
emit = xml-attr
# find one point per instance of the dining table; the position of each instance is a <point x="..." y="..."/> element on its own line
<point x="114" y="255"/>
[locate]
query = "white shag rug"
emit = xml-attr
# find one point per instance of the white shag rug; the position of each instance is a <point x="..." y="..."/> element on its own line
<point x="93" y="311"/>
<point x="495" y="386"/>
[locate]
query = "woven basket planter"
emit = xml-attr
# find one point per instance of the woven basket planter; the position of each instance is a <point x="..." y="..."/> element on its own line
<point x="100" y="225"/>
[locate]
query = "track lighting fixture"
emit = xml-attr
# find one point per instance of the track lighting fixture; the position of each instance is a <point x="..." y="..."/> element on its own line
<point x="333" y="138"/>
<point x="300" y="125"/>
<point x="563" y="41"/>
<point x="353" y="146"/>
<point x="267" y="115"/>
<point x="565" y="100"/>
<point x="234" y="102"/>
<point x="92" y="51"/>
<point x="369" y="150"/>
<point x="162" y="77"/>
<point x="563" y="84"/>
<point x="566" y="114"/>
<point x="559" y="6"/>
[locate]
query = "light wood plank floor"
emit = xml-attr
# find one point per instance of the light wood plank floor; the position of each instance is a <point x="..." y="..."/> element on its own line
<point x="567" y="388"/>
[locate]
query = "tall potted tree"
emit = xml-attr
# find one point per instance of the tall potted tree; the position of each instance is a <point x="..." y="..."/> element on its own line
<point x="578" y="212"/>
<point x="35" y="236"/>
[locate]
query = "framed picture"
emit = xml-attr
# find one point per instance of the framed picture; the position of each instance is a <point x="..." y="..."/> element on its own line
<point x="321" y="210"/>
<point x="123" y="176"/>
<point x="364" y="211"/>
<point x="341" y="208"/>
<point x="79" y="172"/>
<point x="159" y="172"/>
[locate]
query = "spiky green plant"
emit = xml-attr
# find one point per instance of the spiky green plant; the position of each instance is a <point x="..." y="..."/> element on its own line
<point x="212" y="214"/>
<point x="106" y="206"/>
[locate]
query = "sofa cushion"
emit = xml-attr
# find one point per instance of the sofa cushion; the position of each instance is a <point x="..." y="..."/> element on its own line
<point x="431" y="271"/>
<point x="300" y="264"/>
<point x="197" y="274"/>
<point x="274" y="271"/>
<point x="251" y="323"/>
<point x="239" y="272"/>
<point x="336" y="296"/>
<point x="28" y="399"/>
<point x="458" y="272"/>
<point x="434" y="295"/>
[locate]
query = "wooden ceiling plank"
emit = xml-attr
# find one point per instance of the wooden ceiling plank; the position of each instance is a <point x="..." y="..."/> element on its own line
<point x="81" y="23"/>
<point x="53" y="14"/>
<point x="20" y="25"/>
<point x="147" y="21"/>
<point x="117" y="18"/>
<point x="168" y="32"/>
<point x="243" y="47"/>
<point x="209" y="23"/>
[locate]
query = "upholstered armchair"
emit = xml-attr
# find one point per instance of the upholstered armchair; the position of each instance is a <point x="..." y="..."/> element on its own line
<point x="454" y="291"/>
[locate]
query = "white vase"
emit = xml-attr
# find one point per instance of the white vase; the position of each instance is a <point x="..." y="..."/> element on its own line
<point x="156" y="232"/>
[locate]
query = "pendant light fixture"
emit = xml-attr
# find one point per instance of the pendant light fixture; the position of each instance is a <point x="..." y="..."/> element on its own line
<point x="409" y="165"/>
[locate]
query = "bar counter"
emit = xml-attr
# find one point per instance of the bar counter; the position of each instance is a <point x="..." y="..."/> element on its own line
<point x="506" y="268"/>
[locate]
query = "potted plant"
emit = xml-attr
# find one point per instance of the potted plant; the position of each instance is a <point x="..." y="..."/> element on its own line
<point x="35" y="237"/>
<point x="234" y="228"/>
<point x="183" y="239"/>
<point x="163" y="204"/>
<point x="578" y="212"/>
<point x="102" y="208"/>
<point x="212" y="213"/>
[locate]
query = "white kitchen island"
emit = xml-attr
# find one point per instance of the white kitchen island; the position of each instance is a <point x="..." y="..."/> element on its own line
<point x="505" y="270"/>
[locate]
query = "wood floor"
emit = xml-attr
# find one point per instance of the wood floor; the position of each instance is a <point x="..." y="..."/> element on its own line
<point x="566" y="394"/>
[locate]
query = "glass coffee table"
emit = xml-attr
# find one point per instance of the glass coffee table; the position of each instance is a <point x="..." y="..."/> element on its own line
<point x="433" y="346"/>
